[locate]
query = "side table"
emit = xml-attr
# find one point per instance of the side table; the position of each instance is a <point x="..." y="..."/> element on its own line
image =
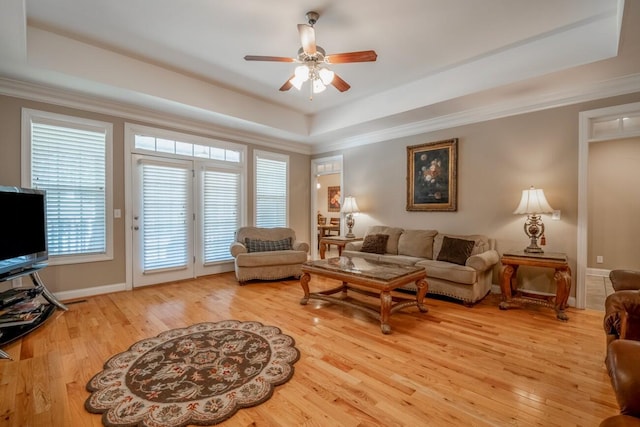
<point x="339" y="241"/>
<point x="509" y="282"/>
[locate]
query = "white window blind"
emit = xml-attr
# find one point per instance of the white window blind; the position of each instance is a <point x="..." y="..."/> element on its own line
<point x="221" y="210"/>
<point x="271" y="178"/>
<point x="70" y="164"/>
<point x="165" y="217"/>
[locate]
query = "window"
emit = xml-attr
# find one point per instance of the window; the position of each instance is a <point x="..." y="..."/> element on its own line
<point x="220" y="212"/>
<point x="271" y="189"/>
<point x="70" y="158"/>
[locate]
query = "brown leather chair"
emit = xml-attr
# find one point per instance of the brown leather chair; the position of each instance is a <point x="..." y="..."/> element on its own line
<point x="624" y="371"/>
<point x="622" y="308"/>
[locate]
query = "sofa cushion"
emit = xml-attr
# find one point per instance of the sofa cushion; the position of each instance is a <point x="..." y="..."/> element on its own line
<point x="258" y="245"/>
<point x="417" y="243"/>
<point x="447" y="271"/>
<point x="375" y="243"/>
<point x="393" y="233"/>
<point x="455" y="250"/>
<point x="481" y="245"/>
<point x="264" y="259"/>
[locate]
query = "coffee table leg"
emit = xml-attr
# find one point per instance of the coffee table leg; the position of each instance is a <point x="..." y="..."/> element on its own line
<point x="304" y="282"/>
<point x="385" y="309"/>
<point x="422" y="286"/>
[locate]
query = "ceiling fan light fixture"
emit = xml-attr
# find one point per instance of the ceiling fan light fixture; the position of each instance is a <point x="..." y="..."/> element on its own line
<point x="318" y="86"/>
<point x="301" y="73"/>
<point x="296" y="82"/>
<point x="326" y="75"/>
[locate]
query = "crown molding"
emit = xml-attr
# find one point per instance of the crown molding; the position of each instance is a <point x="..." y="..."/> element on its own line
<point x="66" y="98"/>
<point x="522" y="105"/>
<point x="526" y="104"/>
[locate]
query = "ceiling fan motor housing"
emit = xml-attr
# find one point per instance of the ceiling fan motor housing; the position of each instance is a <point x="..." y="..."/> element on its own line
<point x="312" y="17"/>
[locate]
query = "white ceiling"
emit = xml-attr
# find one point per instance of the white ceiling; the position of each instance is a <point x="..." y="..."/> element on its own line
<point x="186" y="57"/>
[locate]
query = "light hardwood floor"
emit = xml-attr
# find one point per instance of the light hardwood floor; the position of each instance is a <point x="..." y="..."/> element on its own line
<point x="454" y="365"/>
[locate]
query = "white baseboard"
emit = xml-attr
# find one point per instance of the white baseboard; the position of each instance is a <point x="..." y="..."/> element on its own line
<point x="598" y="272"/>
<point x="89" y="292"/>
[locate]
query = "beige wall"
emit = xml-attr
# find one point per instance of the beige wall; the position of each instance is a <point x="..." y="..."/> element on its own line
<point x="87" y="275"/>
<point x="497" y="159"/>
<point x="614" y="204"/>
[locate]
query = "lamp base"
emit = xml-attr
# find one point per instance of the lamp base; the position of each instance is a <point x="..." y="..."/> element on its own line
<point x="350" y="223"/>
<point x="533" y="250"/>
<point x="533" y="228"/>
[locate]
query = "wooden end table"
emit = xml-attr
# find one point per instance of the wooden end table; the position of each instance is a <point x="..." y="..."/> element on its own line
<point x="372" y="278"/>
<point x="339" y="241"/>
<point x="511" y="296"/>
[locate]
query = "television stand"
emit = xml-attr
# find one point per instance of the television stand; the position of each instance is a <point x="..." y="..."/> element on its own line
<point x="16" y="295"/>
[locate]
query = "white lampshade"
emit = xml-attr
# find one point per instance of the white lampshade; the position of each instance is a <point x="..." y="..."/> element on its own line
<point x="318" y="86"/>
<point x="302" y="73"/>
<point x="349" y="205"/>
<point x="533" y="202"/>
<point x="326" y="75"/>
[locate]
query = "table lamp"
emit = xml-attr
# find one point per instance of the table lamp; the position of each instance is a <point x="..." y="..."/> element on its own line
<point x="533" y="203"/>
<point x="350" y="207"/>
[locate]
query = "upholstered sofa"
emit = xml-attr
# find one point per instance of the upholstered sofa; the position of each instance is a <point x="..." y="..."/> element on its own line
<point x="267" y="254"/>
<point x="468" y="278"/>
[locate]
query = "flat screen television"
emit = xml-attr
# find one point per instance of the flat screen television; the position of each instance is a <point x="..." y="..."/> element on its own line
<point x="23" y="230"/>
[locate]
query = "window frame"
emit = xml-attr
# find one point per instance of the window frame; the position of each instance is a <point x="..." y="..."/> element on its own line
<point x="276" y="157"/>
<point x="30" y="116"/>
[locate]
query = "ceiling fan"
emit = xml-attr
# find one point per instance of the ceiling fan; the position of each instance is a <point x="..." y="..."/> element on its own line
<point x="313" y="61"/>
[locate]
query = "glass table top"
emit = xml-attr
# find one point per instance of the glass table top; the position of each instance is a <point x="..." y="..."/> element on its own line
<point x="364" y="267"/>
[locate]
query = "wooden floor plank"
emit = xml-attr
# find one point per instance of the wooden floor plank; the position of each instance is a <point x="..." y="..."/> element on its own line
<point x="454" y="365"/>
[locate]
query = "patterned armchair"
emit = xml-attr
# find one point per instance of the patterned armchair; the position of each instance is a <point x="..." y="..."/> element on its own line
<point x="267" y="254"/>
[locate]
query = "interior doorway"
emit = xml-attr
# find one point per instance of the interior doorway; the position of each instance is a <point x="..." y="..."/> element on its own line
<point x="326" y="200"/>
<point x="597" y="126"/>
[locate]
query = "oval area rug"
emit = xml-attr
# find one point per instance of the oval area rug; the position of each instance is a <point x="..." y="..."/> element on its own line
<point x="197" y="375"/>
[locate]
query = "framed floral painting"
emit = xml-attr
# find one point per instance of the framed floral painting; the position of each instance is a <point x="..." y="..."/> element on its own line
<point x="333" y="196"/>
<point x="432" y="176"/>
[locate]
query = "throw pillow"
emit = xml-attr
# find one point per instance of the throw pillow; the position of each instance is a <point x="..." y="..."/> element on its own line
<point x="257" y="245"/>
<point x="375" y="243"/>
<point x="455" y="250"/>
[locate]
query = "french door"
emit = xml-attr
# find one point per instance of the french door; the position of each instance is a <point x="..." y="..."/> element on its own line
<point x="163" y="220"/>
<point x="185" y="215"/>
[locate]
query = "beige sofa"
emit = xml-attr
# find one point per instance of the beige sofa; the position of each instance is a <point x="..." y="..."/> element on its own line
<point x="469" y="282"/>
<point x="267" y="254"/>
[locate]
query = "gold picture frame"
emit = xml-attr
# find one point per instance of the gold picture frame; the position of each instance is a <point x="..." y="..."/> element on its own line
<point x="333" y="199"/>
<point x="432" y="178"/>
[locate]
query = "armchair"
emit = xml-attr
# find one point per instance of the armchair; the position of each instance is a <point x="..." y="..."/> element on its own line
<point x="622" y="326"/>
<point x="624" y="371"/>
<point x="267" y="254"/>
<point x="622" y="308"/>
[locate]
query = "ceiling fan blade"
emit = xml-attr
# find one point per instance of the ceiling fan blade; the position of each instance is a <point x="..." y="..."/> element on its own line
<point x="268" y="58"/>
<point x="287" y="85"/>
<point x="361" y="56"/>
<point x="340" y="84"/>
<point x="307" y="38"/>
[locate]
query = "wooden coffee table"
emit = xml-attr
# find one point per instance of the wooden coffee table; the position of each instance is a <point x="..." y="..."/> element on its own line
<point x="366" y="277"/>
<point x="339" y="241"/>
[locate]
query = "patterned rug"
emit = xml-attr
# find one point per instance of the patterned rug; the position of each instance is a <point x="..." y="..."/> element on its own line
<point x="197" y="375"/>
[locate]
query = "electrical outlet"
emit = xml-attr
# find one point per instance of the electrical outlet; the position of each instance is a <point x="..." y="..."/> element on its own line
<point x="555" y="215"/>
<point x="599" y="259"/>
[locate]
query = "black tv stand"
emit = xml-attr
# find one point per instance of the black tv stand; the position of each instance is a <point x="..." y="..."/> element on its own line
<point x="15" y="295"/>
